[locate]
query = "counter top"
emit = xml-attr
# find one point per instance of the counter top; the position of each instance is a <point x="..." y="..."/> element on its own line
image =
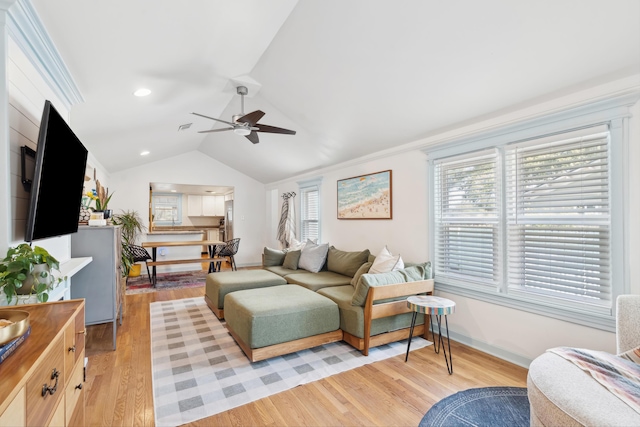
<point x="182" y="230"/>
<point x="178" y="232"/>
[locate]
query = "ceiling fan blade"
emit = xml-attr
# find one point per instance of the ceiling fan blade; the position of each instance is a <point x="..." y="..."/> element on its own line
<point x="251" y="118"/>
<point x="273" y="129"/>
<point x="214" y="130"/>
<point x="253" y="137"/>
<point x="213" y="118"/>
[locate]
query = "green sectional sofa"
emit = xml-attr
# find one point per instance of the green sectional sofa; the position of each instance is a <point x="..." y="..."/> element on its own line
<point x="367" y="318"/>
<point x="372" y="308"/>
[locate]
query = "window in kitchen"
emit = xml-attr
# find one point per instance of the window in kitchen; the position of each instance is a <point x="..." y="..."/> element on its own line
<point x="534" y="219"/>
<point x="166" y="208"/>
<point x="310" y="210"/>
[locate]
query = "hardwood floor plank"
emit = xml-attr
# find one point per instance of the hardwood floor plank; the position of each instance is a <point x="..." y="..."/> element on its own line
<point x="389" y="392"/>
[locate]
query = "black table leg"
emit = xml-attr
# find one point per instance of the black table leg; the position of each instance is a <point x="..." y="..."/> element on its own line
<point x="413" y="323"/>
<point x="154" y="255"/>
<point x="212" y="250"/>
<point x="448" y="360"/>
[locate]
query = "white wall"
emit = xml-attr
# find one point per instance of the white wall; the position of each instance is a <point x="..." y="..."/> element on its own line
<point x="27" y="94"/>
<point x="131" y="191"/>
<point x="511" y="334"/>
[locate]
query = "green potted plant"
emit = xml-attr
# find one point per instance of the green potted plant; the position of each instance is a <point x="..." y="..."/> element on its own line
<point x="131" y="227"/>
<point x="27" y="271"/>
<point x="102" y="197"/>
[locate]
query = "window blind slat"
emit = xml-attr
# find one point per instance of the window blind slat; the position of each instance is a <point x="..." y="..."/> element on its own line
<point x="565" y="180"/>
<point x="467" y="210"/>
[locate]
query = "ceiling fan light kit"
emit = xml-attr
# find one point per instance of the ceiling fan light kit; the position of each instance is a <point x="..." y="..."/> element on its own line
<point x="246" y="124"/>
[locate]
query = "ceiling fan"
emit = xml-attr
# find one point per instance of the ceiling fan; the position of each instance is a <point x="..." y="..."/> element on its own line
<point x="246" y="124"/>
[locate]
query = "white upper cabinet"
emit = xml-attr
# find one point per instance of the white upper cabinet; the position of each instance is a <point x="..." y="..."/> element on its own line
<point x="194" y="205"/>
<point x="205" y="205"/>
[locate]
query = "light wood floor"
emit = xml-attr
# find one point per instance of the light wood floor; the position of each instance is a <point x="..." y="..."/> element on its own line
<point x="386" y="393"/>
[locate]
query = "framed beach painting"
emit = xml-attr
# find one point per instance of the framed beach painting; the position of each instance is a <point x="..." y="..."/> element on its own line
<point x="365" y="196"/>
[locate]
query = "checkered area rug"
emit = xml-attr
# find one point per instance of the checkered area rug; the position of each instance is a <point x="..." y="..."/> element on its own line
<point x="199" y="370"/>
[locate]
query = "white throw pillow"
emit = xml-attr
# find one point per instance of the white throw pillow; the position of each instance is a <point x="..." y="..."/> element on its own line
<point x="295" y="245"/>
<point x="313" y="256"/>
<point x="385" y="262"/>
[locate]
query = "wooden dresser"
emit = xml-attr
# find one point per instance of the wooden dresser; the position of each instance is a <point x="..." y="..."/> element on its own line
<point x="53" y="353"/>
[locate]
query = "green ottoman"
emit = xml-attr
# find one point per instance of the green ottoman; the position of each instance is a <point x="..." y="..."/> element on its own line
<point x="220" y="284"/>
<point x="273" y="321"/>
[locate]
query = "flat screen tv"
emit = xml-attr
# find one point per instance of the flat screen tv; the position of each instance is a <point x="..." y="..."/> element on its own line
<point x="58" y="179"/>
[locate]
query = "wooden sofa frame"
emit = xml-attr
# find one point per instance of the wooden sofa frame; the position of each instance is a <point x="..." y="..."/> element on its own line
<point x="374" y="311"/>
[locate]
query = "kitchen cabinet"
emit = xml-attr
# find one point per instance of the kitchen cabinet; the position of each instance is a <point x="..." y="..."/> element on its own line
<point x="194" y="205"/>
<point x="205" y="205"/>
<point x="99" y="282"/>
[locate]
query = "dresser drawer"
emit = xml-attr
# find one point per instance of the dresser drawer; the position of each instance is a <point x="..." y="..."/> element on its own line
<point x="73" y="343"/>
<point x="39" y="407"/>
<point x="75" y="388"/>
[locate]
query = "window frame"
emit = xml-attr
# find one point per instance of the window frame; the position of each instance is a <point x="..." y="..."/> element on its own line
<point x="614" y="112"/>
<point x="178" y="196"/>
<point x="303" y="187"/>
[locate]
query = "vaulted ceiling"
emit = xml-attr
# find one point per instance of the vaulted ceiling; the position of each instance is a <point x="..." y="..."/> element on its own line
<point x="352" y="77"/>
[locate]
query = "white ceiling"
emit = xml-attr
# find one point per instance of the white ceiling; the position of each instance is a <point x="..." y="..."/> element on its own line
<point x="352" y="77"/>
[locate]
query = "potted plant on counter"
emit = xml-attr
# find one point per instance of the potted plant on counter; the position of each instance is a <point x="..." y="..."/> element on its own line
<point x="102" y="197"/>
<point x="27" y="271"/>
<point x="131" y="227"/>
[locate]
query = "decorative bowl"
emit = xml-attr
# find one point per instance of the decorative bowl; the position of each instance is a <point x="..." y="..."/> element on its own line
<point x="20" y="319"/>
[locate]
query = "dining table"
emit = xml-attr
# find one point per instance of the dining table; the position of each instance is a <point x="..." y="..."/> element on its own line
<point x="212" y="250"/>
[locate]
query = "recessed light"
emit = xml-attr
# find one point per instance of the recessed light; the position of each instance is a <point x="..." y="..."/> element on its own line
<point x="173" y="191"/>
<point x="142" y="92"/>
<point x="144" y="153"/>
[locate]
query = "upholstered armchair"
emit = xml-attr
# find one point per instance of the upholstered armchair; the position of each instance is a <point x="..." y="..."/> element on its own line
<point x="562" y="394"/>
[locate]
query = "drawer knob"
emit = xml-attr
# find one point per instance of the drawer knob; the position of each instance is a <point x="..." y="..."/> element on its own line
<point x="79" y="386"/>
<point x="72" y="349"/>
<point x="82" y="332"/>
<point x="51" y="389"/>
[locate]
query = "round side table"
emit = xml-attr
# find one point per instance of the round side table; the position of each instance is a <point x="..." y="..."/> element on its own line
<point x="433" y="306"/>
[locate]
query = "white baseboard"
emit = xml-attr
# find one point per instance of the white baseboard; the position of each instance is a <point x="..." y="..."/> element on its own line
<point x="491" y="349"/>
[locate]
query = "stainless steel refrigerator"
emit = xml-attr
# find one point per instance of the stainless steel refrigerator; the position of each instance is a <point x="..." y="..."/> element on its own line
<point x="228" y="220"/>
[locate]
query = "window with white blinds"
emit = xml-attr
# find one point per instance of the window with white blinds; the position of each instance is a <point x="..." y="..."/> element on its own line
<point x="309" y="213"/>
<point x="530" y="219"/>
<point x="558" y="222"/>
<point x="467" y="218"/>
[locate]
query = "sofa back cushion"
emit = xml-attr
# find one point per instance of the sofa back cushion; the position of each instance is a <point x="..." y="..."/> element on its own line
<point x="346" y="263"/>
<point x="409" y="274"/>
<point x="272" y="257"/>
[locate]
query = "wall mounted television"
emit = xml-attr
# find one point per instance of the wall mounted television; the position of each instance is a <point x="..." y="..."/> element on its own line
<point x="58" y="179"/>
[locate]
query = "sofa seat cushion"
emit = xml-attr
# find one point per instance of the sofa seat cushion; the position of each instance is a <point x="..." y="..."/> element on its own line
<point x="280" y="270"/>
<point x="319" y="280"/>
<point x="219" y="284"/>
<point x="560" y="393"/>
<point x="352" y="317"/>
<point x="279" y="314"/>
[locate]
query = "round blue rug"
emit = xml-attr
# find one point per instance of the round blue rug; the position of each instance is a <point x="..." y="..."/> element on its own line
<point x="488" y="406"/>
